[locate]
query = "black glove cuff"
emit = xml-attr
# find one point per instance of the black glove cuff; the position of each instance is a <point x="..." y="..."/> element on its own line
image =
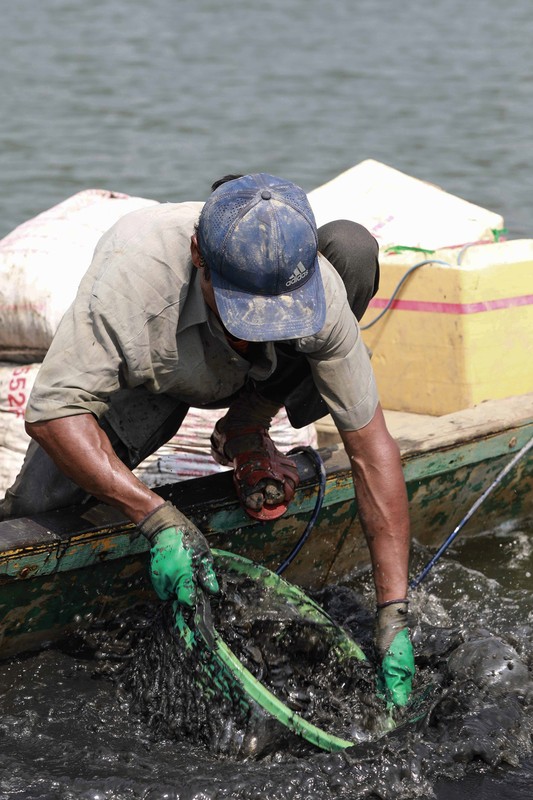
<point x="392" y="602"/>
<point x="164" y="516"/>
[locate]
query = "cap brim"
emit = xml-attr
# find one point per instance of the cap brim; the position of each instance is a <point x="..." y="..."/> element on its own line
<point x="260" y="318"/>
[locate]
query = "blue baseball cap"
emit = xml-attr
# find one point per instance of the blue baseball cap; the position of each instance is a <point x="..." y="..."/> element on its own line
<point x="258" y="236"/>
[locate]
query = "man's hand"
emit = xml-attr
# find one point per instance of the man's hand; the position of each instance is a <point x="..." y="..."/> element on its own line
<point x="397" y="667"/>
<point x="384" y="515"/>
<point x="181" y="562"/>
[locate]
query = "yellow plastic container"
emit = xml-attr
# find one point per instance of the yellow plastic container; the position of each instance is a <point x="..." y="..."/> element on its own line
<point x="460" y="330"/>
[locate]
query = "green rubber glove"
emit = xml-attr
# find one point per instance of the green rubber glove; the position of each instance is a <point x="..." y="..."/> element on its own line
<point x="181" y="562"/>
<point x="397" y="669"/>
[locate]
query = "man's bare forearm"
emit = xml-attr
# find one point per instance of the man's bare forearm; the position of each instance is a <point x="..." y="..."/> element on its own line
<point x="382" y="504"/>
<point x="83" y="452"/>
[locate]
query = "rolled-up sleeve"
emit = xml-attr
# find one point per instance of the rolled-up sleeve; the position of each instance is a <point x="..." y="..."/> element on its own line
<point x="120" y="331"/>
<point x="339" y="360"/>
<point x="80" y="373"/>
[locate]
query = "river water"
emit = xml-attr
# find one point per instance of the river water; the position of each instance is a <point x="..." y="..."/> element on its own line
<point x="157" y="99"/>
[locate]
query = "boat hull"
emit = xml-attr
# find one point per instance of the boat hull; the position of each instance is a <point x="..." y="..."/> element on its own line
<point x="64" y="570"/>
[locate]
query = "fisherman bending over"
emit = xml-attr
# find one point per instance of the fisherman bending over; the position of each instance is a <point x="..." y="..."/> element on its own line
<point x="242" y="304"/>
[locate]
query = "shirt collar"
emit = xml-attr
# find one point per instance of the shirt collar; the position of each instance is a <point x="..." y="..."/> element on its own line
<point x="195" y="311"/>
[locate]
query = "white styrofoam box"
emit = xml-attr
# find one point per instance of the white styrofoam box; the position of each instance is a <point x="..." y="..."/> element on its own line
<point x="400" y="210"/>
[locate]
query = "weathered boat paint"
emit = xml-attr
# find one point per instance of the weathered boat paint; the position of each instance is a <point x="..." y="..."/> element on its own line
<point x="60" y="569"/>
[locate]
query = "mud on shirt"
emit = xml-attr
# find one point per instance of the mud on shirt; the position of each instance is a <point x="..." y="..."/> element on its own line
<point x="139" y="319"/>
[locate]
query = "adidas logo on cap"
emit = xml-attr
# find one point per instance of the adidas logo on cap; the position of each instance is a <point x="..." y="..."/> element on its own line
<point x="298" y="275"/>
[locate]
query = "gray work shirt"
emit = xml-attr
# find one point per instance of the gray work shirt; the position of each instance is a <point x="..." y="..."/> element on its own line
<point x="139" y="319"/>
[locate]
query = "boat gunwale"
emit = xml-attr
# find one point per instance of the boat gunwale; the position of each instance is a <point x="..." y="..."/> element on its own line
<point x="211" y="503"/>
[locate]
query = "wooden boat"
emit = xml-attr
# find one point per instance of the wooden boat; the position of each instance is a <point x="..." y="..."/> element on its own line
<point x="60" y="570"/>
<point x="459" y="332"/>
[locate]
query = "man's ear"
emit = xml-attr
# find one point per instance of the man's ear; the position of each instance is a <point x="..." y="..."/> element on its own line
<point x="195" y="252"/>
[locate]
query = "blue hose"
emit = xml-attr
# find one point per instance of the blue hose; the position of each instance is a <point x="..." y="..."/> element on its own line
<point x="497" y="480"/>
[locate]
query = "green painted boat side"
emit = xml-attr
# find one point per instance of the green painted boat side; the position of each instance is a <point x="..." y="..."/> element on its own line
<point x="60" y="570"/>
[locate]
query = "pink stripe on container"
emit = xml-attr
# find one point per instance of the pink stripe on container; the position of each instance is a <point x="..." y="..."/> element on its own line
<point x="454" y="308"/>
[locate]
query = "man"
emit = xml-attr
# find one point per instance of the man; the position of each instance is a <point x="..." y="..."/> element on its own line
<point x="238" y="303"/>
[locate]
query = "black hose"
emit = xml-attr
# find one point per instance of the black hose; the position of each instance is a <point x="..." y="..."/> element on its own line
<point x="321" y="472"/>
<point x="398" y="287"/>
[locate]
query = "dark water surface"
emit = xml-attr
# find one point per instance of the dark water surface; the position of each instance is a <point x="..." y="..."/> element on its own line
<point x="67" y="732"/>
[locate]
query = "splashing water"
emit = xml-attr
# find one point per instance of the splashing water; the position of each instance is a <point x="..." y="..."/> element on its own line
<point x="68" y="729"/>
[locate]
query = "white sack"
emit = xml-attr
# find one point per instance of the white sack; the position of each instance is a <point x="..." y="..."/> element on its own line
<point x="42" y="262"/>
<point x="188" y="453"/>
<point x="16" y="382"/>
